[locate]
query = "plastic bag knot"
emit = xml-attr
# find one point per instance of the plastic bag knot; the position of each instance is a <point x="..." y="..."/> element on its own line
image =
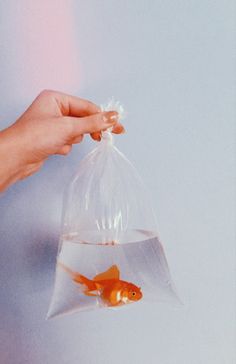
<point x="107" y="136"/>
<point x="112" y="105"/>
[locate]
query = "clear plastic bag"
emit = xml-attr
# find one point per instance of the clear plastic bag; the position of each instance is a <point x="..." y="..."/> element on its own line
<point x="109" y="252"/>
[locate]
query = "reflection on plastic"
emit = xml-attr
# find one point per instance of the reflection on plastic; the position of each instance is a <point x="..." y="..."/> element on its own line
<point x="109" y="252"/>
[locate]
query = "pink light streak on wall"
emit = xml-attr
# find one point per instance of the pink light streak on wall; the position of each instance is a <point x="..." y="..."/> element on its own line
<point x="46" y="47"/>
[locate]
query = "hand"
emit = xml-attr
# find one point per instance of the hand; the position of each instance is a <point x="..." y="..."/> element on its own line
<point x="49" y="126"/>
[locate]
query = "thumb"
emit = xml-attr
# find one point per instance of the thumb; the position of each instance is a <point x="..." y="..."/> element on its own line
<point x="92" y="123"/>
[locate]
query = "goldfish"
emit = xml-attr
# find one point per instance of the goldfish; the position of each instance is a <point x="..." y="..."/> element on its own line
<point x="107" y="285"/>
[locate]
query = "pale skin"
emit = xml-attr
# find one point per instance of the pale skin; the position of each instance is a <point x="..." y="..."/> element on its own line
<point x="51" y="125"/>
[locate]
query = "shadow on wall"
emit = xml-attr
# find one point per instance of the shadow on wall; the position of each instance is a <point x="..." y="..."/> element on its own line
<point x="30" y="220"/>
<point x="29" y="229"/>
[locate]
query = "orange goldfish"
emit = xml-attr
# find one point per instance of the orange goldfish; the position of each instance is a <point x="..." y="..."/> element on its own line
<point x="107" y="285"/>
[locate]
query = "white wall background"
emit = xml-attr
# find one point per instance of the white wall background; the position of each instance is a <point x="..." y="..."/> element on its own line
<point x="171" y="64"/>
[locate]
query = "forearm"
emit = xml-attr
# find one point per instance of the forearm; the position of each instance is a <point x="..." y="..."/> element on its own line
<point x="10" y="165"/>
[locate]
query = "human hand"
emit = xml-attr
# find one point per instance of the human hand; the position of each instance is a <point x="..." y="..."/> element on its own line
<point x="49" y="126"/>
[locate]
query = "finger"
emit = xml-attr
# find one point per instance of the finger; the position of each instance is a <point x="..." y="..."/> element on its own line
<point x="64" y="150"/>
<point x="93" y="123"/>
<point x="76" y="139"/>
<point x="72" y="105"/>
<point x="118" y="129"/>
<point x="96" y="136"/>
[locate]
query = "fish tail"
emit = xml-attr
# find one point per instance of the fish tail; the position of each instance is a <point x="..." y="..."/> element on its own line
<point x="67" y="269"/>
<point x="79" y="278"/>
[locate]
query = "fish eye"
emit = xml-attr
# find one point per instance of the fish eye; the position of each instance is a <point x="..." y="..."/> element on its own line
<point x="133" y="293"/>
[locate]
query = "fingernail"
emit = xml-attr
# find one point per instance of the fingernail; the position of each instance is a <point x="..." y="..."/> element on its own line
<point x="118" y="129"/>
<point x="110" y="117"/>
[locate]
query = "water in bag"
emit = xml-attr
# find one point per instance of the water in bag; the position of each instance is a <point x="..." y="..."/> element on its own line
<point x="109" y="252"/>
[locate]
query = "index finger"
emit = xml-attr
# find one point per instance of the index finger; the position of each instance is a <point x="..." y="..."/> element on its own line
<point x="75" y="106"/>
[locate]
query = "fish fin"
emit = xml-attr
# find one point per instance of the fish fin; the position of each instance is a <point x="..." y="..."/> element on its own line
<point x="87" y="292"/>
<point x="112" y="273"/>
<point x="67" y="270"/>
<point x="78" y="278"/>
